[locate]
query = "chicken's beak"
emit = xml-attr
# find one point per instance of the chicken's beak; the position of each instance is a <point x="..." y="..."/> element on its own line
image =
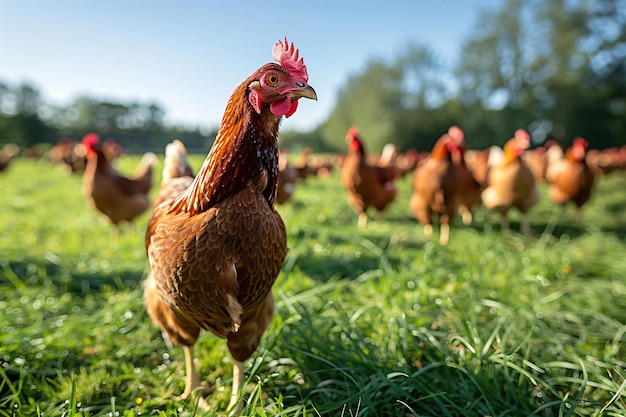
<point x="303" y="90"/>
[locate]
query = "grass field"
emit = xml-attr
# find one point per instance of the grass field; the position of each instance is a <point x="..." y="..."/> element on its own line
<point x="374" y="322"/>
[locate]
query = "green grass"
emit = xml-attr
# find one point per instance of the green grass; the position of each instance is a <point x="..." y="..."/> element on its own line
<point x="374" y="322"/>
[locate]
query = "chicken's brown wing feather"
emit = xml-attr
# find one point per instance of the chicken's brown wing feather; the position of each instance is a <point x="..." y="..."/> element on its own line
<point x="209" y="278"/>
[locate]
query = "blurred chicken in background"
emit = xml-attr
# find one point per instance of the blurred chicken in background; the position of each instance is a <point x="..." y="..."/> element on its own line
<point x="434" y="185"/>
<point x="7" y="153"/>
<point x="570" y="177"/>
<point x="511" y="184"/>
<point x="117" y="197"/>
<point x="367" y="185"/>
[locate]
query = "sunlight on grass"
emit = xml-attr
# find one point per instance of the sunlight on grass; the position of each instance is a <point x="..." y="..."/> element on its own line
<point x="375" y="321"/>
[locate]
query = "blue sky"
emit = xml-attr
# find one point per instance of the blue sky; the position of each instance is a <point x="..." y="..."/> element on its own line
<point x="188" y="56"/>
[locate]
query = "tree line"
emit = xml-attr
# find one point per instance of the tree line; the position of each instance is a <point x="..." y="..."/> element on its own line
<point x="26" y="119"/>
<point x="554" y="67"/>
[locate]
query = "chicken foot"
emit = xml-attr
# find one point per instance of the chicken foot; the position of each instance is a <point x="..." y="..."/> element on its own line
<point x="192" y="383"/>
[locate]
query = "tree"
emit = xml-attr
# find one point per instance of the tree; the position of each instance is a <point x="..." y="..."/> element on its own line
<point x="390" y="101"/>
<point x="544" y="66"/>
<point x="20" y="122"/>
<point x="26" y="119"/>
<point x="370" y="100"/>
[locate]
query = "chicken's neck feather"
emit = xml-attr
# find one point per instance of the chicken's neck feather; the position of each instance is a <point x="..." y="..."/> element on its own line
<point x="246" y="144"/>
<point x="440" y="149"/>
<point x="511" y="153"/>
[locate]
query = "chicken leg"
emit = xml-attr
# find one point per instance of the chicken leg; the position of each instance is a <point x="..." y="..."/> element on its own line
<point x="466" y="215"/>
<point x="504" y="223"/>
<point x="524" y="225"/>
<point x="192" y="382"/>
<point x="238" y="380"/>
<point x="362" y="222"/>
<point x="444" y="234"/>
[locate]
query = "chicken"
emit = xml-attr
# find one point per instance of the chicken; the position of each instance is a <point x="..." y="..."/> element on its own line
<point x="70" y="153"/>
<point x="320" y="165"/>
<point x="537" y="161"/>
<point x="434" y="188"/>
<point x="606" y="161"/>
<point x="216" y="248"/>
<point x="302" y="166"/>
<point x="407" y="162"/>
<point x="570" y="178"/>
<point x="367" y="185"/>
<point x="480" y="161"/>
<point x="467" y="187"/>
<point x="287" y="176"/>
<point x="115" y="196"/>
<point x="177" y="173"/>
<point x="7" y="153"/>
<point x="111" y="149"/>
<point x="510" y="183"/>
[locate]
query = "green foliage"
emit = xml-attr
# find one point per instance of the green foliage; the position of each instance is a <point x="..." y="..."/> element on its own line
<point x="26" y="120"/>
<point x="555" y="68"/>
<point x="397" y="102"/>
<point x="373" y="322"/>
<point x="370" y="100"/>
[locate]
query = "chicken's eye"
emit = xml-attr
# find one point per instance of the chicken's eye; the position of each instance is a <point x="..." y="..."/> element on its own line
<point x="272" y="79"/>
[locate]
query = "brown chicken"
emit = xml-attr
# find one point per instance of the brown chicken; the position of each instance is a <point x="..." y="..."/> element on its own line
<point x="177" y="173"/>
<point x="287" y="176"/>
<point x="70" y="153"/>
<point x="367" y="185"/>
<point x="467" y="187"/>
<point x="570" y="178"/>
<point x="511" y="183"/>
<point x="537" y="161"/>
<point x="302" y="165"/>
<point x="115" y="196"/>
<point x="435" y="188"/>
<point x="7" y="153"/>
<point x="605" y="161"/>
<point x="479" y="162"/>
<point x="216" y="249"/>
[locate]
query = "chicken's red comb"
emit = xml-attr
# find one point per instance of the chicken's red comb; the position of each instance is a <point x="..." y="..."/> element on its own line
<point x="579" y="141"/>
<point x="91" y="139"/>
<point x="352" y="132"/>
<point x="456" y="133"/>
<point x="521" y="134"/>
<point x="287" y="55"/>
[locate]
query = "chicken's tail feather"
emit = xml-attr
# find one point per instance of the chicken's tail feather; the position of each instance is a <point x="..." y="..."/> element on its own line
<point x="176" y="163"/>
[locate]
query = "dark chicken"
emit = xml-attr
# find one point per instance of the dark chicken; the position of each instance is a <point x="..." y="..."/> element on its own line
<point x="434" y="188"/>
<point x="7" y="153"/>
<point x="117" y="197"/>
<point x="511" y="183"/>
<point x="216" y="248"/>
<point x="367" y="185"/>
<point x="287" y="176"/>
<point x="467" y="187"/>
<point x="570" y="178"/>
